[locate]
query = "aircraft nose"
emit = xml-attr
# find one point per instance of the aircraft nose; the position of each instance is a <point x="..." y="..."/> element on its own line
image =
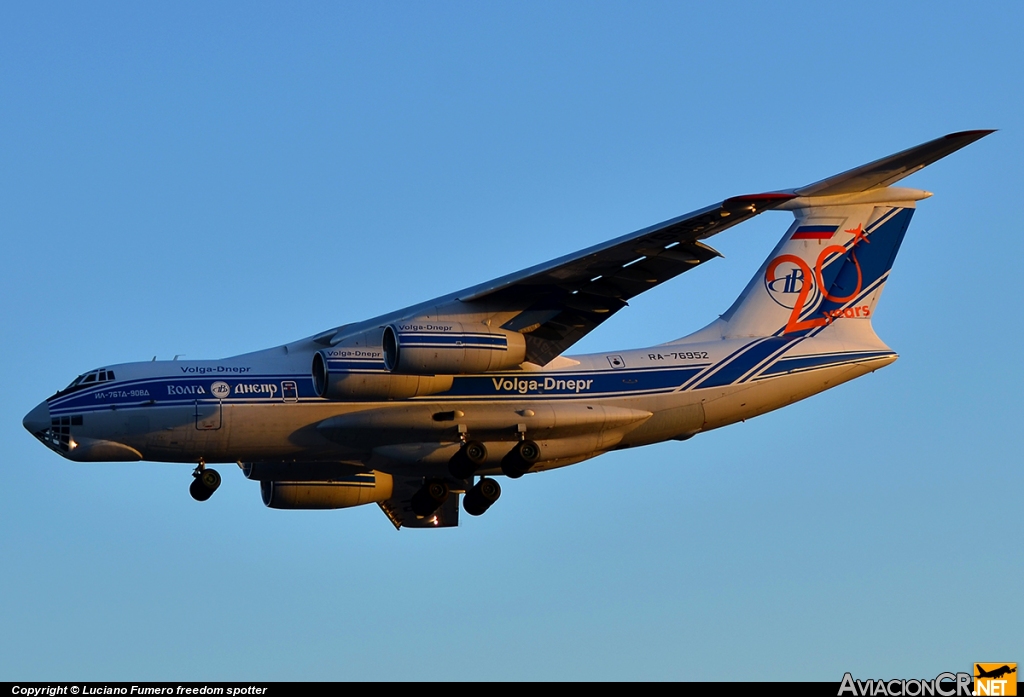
<point x="38" y="419"/>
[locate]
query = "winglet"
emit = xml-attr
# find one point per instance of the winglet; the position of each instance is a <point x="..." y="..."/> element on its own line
<point x="891" y="169"/>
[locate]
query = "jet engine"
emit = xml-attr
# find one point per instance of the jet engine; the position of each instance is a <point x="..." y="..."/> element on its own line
<point x="344" y="492"/>
<point x="336" y="375"/>
<point x="450" y="348"/>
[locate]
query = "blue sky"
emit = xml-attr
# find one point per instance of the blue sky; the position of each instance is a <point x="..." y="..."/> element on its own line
<point x="208" y="180"/>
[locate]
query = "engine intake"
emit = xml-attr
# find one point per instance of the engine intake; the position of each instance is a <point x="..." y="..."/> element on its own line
<point x="450" y="348"/>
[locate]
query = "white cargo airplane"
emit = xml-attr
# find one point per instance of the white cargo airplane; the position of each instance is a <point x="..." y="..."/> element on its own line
<point x="412" y="408"/>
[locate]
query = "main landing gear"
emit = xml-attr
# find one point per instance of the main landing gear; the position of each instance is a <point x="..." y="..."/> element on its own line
<point x="520" y="459"/>
<point x="470" y="457"/>
<point x="478" y="499"/>
<point x="205" y="483"/>
<point x="465" y="463"/>
<point x="433" y="494"/>
<point x="429" y="498"/>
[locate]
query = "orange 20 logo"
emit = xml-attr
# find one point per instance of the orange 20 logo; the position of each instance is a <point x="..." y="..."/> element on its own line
<point x="804" y="281"/>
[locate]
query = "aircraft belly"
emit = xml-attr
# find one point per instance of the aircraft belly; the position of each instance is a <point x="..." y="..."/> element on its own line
<point x="432" y="458"/>
<point x="670" y="420"/>
<point x="246" y="432"/>
<point x="418" y="422"/>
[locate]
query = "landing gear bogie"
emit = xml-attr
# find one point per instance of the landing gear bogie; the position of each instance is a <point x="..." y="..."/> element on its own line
<point x="205" y="482"/>
<point x="520" y="459"/>
<point x="429" y="498"/>
<point x="478" y="499"/>
<point x="470" y="457"/>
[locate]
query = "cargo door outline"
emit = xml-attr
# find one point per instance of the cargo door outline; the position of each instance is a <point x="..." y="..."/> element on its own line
<point x="208" y="415"/>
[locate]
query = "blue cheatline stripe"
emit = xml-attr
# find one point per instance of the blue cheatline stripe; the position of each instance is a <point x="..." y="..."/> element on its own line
<point x="738" y="367"/>
<point x="456" y="345"/>
<point x="798" y="363"/>
<point x="714" y="366"/>
<point x="335" y="482"/>
<point x="783" y="348"/>
<point x="447" y="340"/>
<point x="152" y="392"/>
<point x="721" y="364"/>
<point x="355" y="365"/>
<point x="605" y="383"/>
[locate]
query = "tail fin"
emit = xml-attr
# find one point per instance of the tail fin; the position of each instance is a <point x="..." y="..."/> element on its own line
<point x="832" y="263"/>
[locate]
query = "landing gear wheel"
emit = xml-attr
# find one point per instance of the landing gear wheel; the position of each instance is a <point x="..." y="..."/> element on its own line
<point x="429" y="498"/>
<point x="478" y="499"/>
<point x="520" y="459"/>
<point x="468" y="460"/>
<point x="205" y="483"/>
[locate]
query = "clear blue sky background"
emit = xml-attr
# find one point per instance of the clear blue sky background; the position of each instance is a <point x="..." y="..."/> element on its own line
<point x="209" y="179"/>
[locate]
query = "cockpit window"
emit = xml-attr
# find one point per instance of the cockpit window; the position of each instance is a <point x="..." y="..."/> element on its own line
<point x="89" y="378"/>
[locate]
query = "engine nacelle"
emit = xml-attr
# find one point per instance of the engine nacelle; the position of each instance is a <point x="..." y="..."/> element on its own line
<point x="343" y="492"/>
<point x="347" y="374"/>
<point x="450" y="348"/>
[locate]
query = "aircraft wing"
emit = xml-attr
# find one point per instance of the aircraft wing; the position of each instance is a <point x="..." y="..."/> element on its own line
<point x="563" y="300"/>
<point x="557" y="303"/>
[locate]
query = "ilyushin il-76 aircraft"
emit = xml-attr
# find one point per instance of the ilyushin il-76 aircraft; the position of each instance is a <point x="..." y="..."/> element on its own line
<point x="414" y="408"/>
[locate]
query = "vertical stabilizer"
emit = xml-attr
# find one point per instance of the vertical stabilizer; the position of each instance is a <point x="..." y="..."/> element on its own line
<point x="829" y="268"/>
<point x="830" y="265"/>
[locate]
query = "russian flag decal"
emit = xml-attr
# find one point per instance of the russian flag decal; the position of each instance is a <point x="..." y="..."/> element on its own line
<point x="814" y="232"/>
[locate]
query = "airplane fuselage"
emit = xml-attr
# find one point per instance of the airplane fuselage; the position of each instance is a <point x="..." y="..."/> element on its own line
<point x="262" y="407"/>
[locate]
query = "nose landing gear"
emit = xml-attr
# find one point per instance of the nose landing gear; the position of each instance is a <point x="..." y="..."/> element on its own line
<point x="205" y="483"/>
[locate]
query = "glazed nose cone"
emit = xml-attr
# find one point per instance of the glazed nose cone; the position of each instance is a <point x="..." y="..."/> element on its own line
<point x="38" y="419"/>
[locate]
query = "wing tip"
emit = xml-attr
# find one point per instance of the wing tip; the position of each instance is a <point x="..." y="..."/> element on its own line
<point x="970" y="135"/>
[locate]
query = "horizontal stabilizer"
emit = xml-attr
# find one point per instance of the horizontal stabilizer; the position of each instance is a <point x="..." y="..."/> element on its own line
<point x="891" y="169"/>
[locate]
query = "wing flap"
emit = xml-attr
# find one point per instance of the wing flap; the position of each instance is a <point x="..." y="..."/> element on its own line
<point x="563" y="302"/>
<point x="573" y="271"/>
